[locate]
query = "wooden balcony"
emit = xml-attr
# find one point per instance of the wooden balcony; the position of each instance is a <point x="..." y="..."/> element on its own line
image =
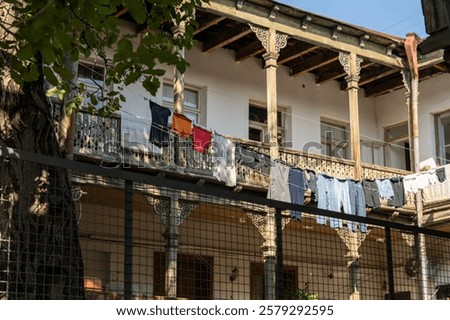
<point x="99" y="139"/>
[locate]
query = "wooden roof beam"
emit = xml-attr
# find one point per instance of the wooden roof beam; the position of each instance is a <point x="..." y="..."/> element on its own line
<point x="297" y="50"/>
<point x="330" y="73"/>
<point x="385" y="87"/>
<point x="315" y="62"/>
<point x="397" y="82"/>
<point x="312" y="34"/>
<point x="373" y="75"/>
<point x="336" y="72"/>
<point x="207" y="23"/>
<point x="121" y="12"/>
<point x="250" y="50"/>
<point x="442" y="68"/>
<point x="227" y="37"/>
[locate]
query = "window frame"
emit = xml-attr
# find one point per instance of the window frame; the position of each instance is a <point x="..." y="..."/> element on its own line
<point x="92" y="86"/>
<point x="262" y="126"/>
<point x="334" y="143"/>
<point x="190" y="270"/>
<point x="199" y="111"/>
<point x="440" y="138"/>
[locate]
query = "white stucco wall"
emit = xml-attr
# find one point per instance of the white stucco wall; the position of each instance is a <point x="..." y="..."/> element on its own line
<point x="434" y="98"/>
<point x="228" y="88"/>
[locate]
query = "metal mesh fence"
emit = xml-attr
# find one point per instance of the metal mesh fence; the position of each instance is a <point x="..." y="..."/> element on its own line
<point x="129" y="235"/>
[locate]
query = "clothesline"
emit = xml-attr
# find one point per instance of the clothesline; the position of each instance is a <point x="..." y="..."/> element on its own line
<point x="392" y="189"/>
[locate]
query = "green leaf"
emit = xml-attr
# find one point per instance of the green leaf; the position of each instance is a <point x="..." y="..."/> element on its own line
<point x="52" y="91"/>
<point x="50" y="75"/>
<point x="124" y="48"/>
<point x="137" y="10"/>
<point x="64" y="73"/>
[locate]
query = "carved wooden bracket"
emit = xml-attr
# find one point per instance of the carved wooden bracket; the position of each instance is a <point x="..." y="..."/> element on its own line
<point x="409" y="238"/>
<point x="344" y="59"/>
<point x="263" y="35"/>
<point x="260" y="221"/>
<point x="162" y="208"/>
<point x="352" y="240"/>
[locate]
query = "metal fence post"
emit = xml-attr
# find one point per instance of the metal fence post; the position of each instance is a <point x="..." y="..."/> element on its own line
<point x="128" y="234"/>
<point x="389" y="264"/>
<point x="279" y="241"/>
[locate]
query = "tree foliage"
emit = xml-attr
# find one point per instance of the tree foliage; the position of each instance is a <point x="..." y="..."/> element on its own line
<point x="40" y="36"/>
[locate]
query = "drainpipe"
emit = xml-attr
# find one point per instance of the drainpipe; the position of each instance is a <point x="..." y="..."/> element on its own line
<point x="411" y="43"/>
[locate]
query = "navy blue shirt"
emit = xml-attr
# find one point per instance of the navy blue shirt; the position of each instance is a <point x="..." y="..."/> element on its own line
<point x="159" y="133"/>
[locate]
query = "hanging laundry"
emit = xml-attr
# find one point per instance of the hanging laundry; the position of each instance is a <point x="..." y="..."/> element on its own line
<point x="332" y="195"/>
<point x="252" y="159"/>
<point x="159" y="133"/>
<point x="311" y="183"/>
<point x="181" y="125"/>
<point x="357" y="204"/>
<point x="201" y="139"/>
<point x="135" y="131"/>
<point x="399" y="199"/>
<point x="440" y="173"/>
<point x="417" y="181"/>
<point x="385" y="188"/>
<point x="279" y="183"/>
<point x="296" y="190"/>
<point x="224" y="167"/>
<point x="439" y="191"/>
<point x="371" y="194"/>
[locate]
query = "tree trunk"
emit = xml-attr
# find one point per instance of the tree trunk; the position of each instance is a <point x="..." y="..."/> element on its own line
<point x="40" y="254"/>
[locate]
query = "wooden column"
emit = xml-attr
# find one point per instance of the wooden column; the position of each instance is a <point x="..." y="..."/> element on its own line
<point x="172" y="211"/>
<point x="353" y="241"/>
<point x="352" y="66"/>
<point x="272" y="42"/>
<point x="266" y="223"/>
<point x="178" y="78"/>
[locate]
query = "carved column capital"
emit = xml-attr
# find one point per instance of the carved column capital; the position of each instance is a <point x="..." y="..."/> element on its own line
<point x="346" y="61"/>
<point x="260" y="221"/>
<point x="352" y="240"/>
<point x="409" y="238"/>
<point x="271" y="59"/>
<point x="161" y="205"/>
<point x="263" y="35"/>
<point x="184" y="209"/>
<point x="77" y="193"/>
<point x="162" y="208"/>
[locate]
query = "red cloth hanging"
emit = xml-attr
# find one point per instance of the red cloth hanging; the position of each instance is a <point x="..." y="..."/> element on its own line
<point x="201" y="139"/>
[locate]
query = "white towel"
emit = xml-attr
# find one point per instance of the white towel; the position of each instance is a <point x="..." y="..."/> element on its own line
<point x="135" y="132"/>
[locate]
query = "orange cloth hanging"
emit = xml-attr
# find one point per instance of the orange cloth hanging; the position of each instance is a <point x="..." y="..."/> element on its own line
<point x="181" y="125"/>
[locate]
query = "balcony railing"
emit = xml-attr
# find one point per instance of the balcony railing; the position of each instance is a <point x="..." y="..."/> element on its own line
<point x="100" y="138"/>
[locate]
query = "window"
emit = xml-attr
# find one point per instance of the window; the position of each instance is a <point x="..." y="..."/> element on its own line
<point x="93" y="78"/>
<point x="194" y="276"/>
<point x="397" y="146"/>
<point x="334" y="139"/>
<point x="442" y="122"/>
<point x="192" y="106"/>
<point x="257" y="284"/>
<point x="257" y="124"/>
